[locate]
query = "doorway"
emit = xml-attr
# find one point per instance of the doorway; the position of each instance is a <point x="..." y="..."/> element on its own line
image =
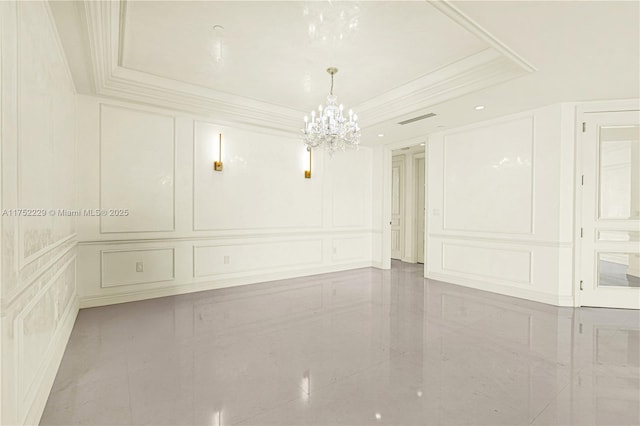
<point x="420" y="207"/>
<point x="407" y="236"/>
<point x="397" y="207"/>
<point x="610" y="209"/>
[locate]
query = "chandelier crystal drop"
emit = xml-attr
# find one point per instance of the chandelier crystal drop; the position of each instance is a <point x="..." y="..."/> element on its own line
<point x="330" y="128"/>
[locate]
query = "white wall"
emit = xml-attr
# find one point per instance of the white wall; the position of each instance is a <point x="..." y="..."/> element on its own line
<point x="500" y="199"/>
<point x="194" y="228"/>
<point x="38" y="289"/>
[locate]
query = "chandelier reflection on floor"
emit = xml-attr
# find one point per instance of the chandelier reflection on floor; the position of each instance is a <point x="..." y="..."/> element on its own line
<point x="330" y="128"/>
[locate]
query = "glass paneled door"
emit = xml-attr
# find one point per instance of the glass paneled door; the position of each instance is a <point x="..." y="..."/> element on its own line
<point x="610" y="263"/>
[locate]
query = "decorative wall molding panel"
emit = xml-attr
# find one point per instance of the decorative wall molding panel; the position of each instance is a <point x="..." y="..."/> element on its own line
<point x="496" y="264"/>
<point x="349" y="176"/>
<point x="224" y="259"/>
<point x="224" y="202"/>
<point x="127" y="267"/>
<point x="351" y="249"/>
<point x="38" y="297"/>
<point x="502" y="157"/>
<point x="137" y="170"/>
<point x="44" y="86"/>
<point x="203" y="264"/>
<point x="258" y="219"/>
<point x="499" y="205"/>
<point x="37" y="328"/>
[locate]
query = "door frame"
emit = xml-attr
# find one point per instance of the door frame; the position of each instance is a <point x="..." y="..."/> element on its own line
<point x="416" y="215"/>
<point x="387" y="154"/>
<point x="582" y="115"/>
<point x="402" y="198"/>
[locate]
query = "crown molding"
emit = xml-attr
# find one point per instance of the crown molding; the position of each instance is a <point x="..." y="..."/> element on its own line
<point x="113" y="80"/>
<point x="105" y="22"/>
<point x="455" y="14"/>
<point x="467" y="75"/>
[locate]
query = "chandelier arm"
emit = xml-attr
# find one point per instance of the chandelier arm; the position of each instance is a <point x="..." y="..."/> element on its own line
<point x="331" y="129"/>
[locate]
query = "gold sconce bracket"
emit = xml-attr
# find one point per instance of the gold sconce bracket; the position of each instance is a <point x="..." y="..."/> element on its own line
<point x="217" y="165"/>
<point x="307" y="173"/>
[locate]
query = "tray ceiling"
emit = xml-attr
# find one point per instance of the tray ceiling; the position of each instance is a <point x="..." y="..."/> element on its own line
<point x="395" y="58"/>
<point x="277" y="52"/>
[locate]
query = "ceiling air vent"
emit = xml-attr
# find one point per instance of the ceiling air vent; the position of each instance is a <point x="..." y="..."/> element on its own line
<point x="421" y="117"/>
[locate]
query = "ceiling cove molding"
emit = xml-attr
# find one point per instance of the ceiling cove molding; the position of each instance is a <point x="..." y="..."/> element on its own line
<point x="447" y="8"/>
<point x="106" y="21"/>
<point x="112" y="80"/>
<point x="475" y="72"/>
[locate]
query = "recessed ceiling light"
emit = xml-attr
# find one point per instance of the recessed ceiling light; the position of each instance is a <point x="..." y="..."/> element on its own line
<point x="479" y="107"/>
<point x="380" y="135"/>
<point x="421" y="144"/>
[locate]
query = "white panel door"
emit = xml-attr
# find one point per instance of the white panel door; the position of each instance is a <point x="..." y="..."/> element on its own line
<point x="397" y="207"/>
<point x="611" y="210"/>
<point x="420" y="209"/>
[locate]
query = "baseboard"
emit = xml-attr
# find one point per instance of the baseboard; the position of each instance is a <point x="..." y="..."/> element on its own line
<point x="192" y="287"/>
<point x="521" y="293"/>
<point x="377" y="265"/>
<point x="34" y="412"/>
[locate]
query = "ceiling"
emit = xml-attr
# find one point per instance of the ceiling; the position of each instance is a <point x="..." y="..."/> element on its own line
<point x="277" y="52"/>
<point x="396" y="60"/>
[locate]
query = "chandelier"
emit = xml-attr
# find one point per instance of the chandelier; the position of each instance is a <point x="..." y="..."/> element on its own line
<point x="330" y="128"/>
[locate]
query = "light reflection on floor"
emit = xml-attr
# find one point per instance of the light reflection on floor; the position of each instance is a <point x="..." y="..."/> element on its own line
<point x="357" y="347"/>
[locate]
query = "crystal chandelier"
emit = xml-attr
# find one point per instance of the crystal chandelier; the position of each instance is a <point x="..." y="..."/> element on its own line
<point x="330" y="128"/>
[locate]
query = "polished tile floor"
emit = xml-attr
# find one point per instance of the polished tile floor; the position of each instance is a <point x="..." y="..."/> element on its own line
<point x="362" y="347"/>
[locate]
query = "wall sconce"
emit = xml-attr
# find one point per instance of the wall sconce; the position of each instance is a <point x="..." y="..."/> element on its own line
<point x="307" y="173"/>
<point x="217" y="165"/>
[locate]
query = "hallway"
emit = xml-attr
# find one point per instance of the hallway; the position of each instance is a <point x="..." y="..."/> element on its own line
<point x="365" y="346"/>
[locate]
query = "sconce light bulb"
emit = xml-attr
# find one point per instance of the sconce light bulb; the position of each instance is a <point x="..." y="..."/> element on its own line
<point x="313" y="114"/>
<point x="306" y="119"/>
<point x="320" y="108"/>
<point x="355" y="117"/>
<point x="350" y="112"/>
<point x="341" y="107"/>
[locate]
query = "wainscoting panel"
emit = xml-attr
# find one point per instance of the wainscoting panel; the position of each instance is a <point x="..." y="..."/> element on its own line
<point x="107" y="270"/>
<point x="519" y="269"/>
<point x="351" y="249"/>
<point x="488" y="262"/>
<point x="137" y="173"/>
<point x="36" y="329"/>
<point x="126" y="267"/>
<point x="212" y="260"/>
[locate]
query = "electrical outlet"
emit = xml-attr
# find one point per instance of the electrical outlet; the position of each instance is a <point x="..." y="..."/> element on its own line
<point x="226" y="260"/>
<point x="139" y="267"/>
